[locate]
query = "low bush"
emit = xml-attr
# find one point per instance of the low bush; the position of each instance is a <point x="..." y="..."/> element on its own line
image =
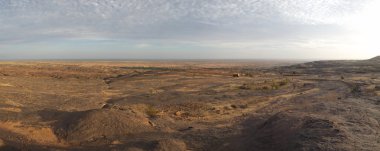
<point x="151" y="111"/>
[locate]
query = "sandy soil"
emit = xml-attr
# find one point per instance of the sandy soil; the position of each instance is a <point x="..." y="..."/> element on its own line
<point x="190" y="105"/>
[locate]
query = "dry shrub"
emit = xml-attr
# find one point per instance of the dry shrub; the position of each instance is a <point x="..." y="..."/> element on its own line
<point x="152" y="112"/>
<point x="191" y="109"/>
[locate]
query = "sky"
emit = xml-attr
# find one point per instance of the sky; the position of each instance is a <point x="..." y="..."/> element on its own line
<point x="189" y="29"/>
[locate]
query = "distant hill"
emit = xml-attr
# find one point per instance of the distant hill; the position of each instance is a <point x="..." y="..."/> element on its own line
<point x="338" y="66"/>
<point x="376" y="59"/>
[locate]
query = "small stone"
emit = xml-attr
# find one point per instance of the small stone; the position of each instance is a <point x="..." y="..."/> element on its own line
<point x="236" y="75"/>
<point x="178" y="113"/>
<point x="227" y="108"/>
<point x="187" y="129"/>
<point x="116" y="142"/>
<point x="92" y="139"/>
<point x="152" y="124"/>
<point x="218" y="112"/>
<point x="106" y="106"/>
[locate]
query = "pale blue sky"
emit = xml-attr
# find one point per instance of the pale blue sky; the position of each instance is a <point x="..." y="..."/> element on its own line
<point x="189" y="29"/>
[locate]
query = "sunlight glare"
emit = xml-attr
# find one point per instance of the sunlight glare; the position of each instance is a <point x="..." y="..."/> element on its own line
<point x="365" y="26"/>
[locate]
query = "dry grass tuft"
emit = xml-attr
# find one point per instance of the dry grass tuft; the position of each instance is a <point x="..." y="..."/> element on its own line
<point x="152" y="112"/>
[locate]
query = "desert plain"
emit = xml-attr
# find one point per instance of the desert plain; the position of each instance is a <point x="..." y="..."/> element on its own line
<point x="190" y="105"/>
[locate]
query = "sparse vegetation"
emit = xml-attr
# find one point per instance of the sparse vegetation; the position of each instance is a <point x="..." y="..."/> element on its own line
<point x="189" y="109"/>
<point x="190" y="102"/>
<point x="245" y="87"/>
<point x="273" y="85"/>
<point x="263" y="88"/>
<point x="283" y="82"/>
<point x="243" y="106"/>
<point x="356" y="90"/>
<point x="151" y="111"/>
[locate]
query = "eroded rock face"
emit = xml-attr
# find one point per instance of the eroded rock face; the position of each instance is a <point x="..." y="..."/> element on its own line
<point x="99" y="124"/>
<point x="170" y="145"/>
<point x="298" y="132"/>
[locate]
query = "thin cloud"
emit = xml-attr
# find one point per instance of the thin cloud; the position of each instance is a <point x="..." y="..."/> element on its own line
<point x="174" y="21"/>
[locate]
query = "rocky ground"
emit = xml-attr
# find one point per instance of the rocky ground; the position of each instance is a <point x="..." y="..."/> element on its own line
<point x="165" y="106"/>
